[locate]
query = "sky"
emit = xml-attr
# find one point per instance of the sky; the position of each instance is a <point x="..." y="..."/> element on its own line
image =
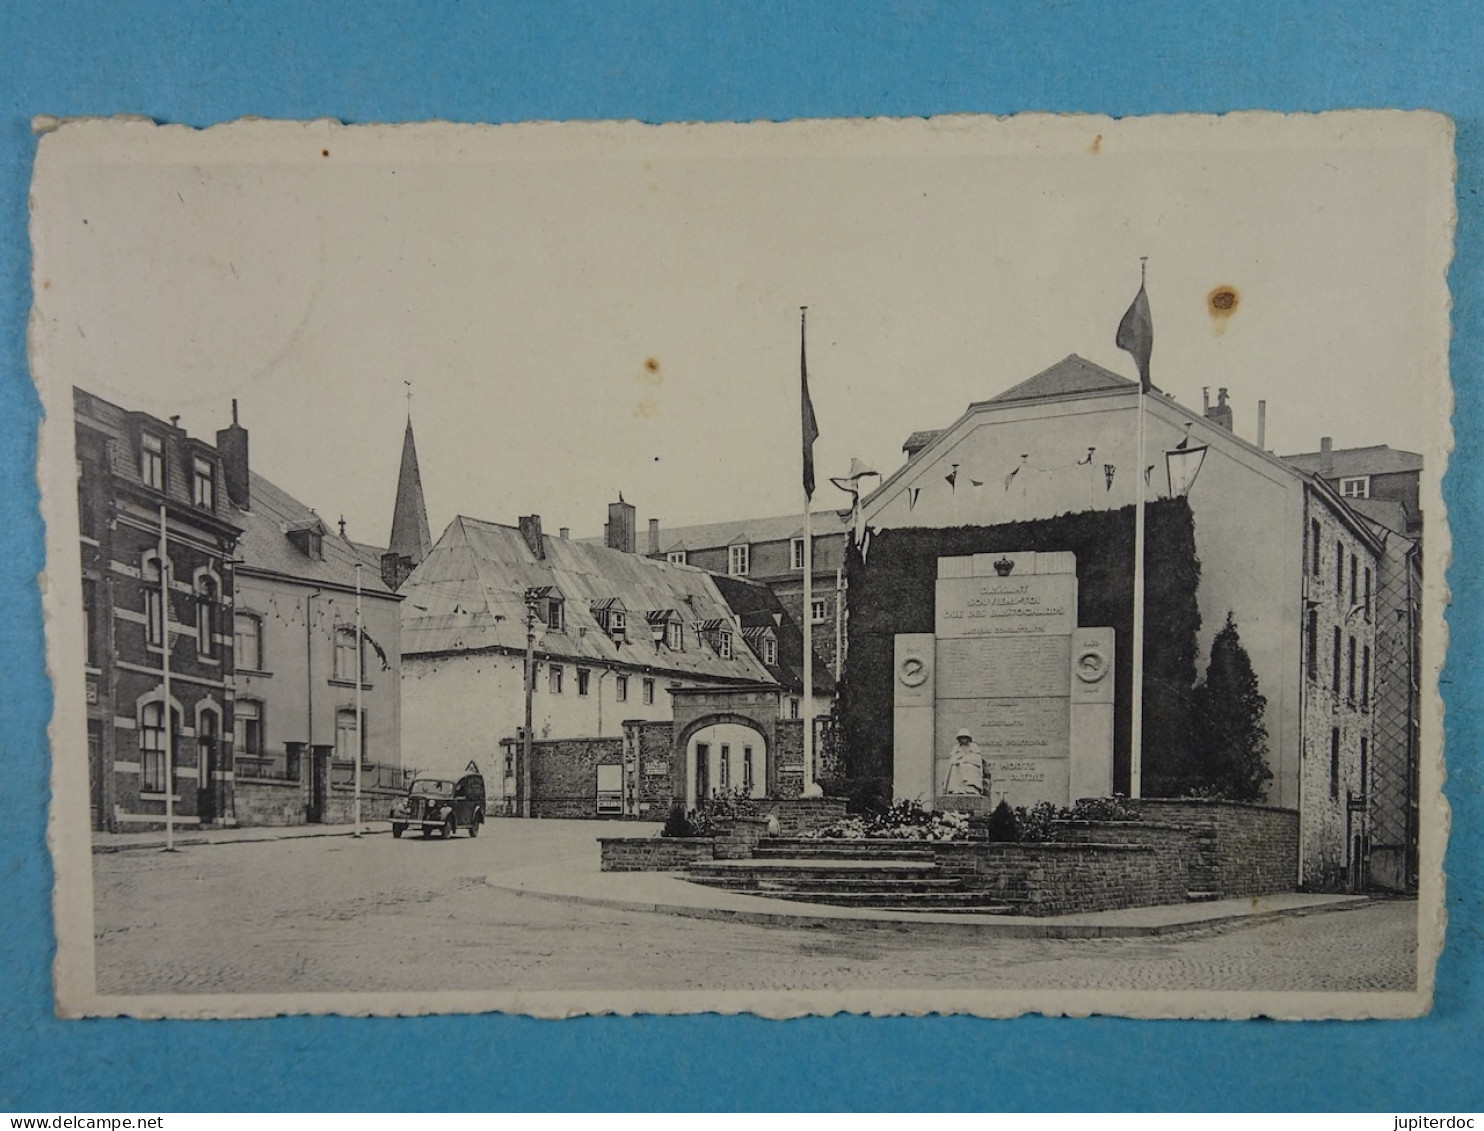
<point x="580" y="310"/>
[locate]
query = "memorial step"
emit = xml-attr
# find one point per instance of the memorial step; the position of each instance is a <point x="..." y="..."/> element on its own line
<point x="897" y="900"/>
<point x="1202" y="896"/>
<point x="794" y="848"/>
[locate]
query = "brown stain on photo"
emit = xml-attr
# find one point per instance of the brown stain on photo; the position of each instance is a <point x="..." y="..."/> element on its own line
<point x="650" y="373"/>
<point x="646" y="408"/>
<point x="1221" y="304"/>
<point x="1097" y="144"/>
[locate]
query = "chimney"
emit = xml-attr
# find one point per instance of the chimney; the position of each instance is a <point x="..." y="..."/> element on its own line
<point x="530" y="530"/>
<point x="564" y="532"/>
<point x="395" y="569"/>
<point x="1205" y="399"/>
<point x="1262" y="425"/>
<point x="654" y="537"/>
<point x="231" y="443"/>
<point x="619" y="533"/>
<point x="1221" y="412"/>
<point x="1326" y="456"/>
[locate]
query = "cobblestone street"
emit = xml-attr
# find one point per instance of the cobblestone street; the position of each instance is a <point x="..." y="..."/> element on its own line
<point x="333" y="914"/>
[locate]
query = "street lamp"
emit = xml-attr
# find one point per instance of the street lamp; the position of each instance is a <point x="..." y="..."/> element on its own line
<point x="1182" y="464"/>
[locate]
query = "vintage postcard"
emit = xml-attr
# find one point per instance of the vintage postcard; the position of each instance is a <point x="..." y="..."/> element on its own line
<point x="960" y="565"/>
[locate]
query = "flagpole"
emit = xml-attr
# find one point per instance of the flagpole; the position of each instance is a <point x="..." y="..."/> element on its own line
<point x="1136" y="727"/>
<point x="360" y="684"/>
<point x="165" y="687"/>
<point x="808" y="613"/>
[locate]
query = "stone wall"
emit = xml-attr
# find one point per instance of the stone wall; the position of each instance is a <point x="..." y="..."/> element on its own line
<point x="267" y="803"/>
<point x="564" y="774"/>
<point x="376" y="805"/>
<point x="1239" y="849"/>
<point x="1175" y="845"/>
<point x="655" y="745"/>
<point x="653" y="854"/>
<point x="798" y="815"/>
<point x="1051" y="878"/>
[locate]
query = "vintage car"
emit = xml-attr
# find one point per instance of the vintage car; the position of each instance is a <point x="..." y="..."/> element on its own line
<point x="442" y="806"/>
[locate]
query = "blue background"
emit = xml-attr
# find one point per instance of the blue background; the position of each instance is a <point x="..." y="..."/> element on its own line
<point x="200" y="63"/>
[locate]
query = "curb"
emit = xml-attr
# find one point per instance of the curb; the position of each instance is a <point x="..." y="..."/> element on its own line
<point x="985" y="929"/>
<point x="198" y="840"/>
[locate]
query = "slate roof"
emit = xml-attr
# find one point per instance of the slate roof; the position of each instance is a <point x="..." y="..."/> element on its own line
<point x="1071" y="376"/>
<point x="265" y="546"/>
<point x="712" y="535"/>
<point x="468" y="594"/>
<point x="920" y="439"/>
<point x="410" y="537"/>
<point x="758" y="608"/>
<point x="1344" y="463"/>
<point x="1383" y="512"/>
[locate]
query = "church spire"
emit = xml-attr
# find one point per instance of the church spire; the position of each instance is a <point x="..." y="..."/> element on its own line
<point x="410" y="541"/>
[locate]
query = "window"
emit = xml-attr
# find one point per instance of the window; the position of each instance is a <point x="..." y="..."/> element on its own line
<point x="90" y="621"/>
<point x="554" y="674"/>
<point x="1367" y="593"/>
<point x="1339" y="571"/>
<point x="676" y="557"/>
<point x="675" y="636"/>
<point x="1350" y="681"/>
<point x="1334" y="763"/>
<point x="347" y="655"/>
<point x="1365" y="766"/>
<point x="1354" y="571"/>
<point x="203" y="483"/>
<point x="309" y="541"/>
<point x="724" y="777"/>
<point x="247" y="641"/>
<point x="618" y="622"/>
<point x="738" y="559"/>
<point x="345" y="736"/>
<point x="584" y="677"/>
<point x="247" y="728"/>
<point x="206" y="617"/>
<point x="819" y="611"/>
<point x="152" y="461"/>
<point x="555" y="620"/>
<point x="621" y="688"/>
<point x="1335" y="665"/>
<point x="1313" y="643"/>
<point x="1314" y="545"/>
<point x="793" y="708"/>
<point x="154" y="621"/>
<point x="724" y="645"/>
<point x="770" y="651"/>
<point x="796" y="554"/>
<point x="648" y="692"/>
<point x="747" y="768"/>
<point x="1356" y="488"/>
<point x="152" y="748"/>
<point x="1365" y="678"/>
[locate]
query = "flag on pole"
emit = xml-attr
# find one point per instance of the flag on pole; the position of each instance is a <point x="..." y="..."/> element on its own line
<point x="1136" y="334"/>
<point x="952" y="478"/>
<point x="810" y="426"/>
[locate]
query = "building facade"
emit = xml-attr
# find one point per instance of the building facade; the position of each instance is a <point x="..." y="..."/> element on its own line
<point x="158" y="543"/>
<point x="611" y="632"/>
<point x="1065" y="440"/>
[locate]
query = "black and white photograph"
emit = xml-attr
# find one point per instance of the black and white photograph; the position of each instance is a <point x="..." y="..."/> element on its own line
<point x="961" y="565"/>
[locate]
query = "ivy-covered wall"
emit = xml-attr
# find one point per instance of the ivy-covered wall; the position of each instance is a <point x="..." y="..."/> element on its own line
<point x="893" y="592"/>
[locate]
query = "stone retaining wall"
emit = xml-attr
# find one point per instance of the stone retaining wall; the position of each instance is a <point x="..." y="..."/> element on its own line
<point x="798" y="815"/>
<point x="653" y="854"/>
<point x="1051" y="878"/>
<point x="1238" y="849"/>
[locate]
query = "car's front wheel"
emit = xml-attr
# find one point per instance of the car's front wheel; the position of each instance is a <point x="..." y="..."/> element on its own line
<point x="448" y="827"/>
<point x="474" y="823"/>
<point x="398" y="829"/>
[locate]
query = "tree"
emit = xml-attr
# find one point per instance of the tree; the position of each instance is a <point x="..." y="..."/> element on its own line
<point x="1229" y="738"/>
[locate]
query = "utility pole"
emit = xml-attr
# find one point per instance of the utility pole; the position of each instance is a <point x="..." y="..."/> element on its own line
<point x="165" y="686"/>
<point x="360" y="683"/>
<point x="525" y="746"/>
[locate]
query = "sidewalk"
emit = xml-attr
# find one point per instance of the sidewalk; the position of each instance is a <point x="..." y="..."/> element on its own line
<point x="124" y="842"/>
<point x="668" y="894"/>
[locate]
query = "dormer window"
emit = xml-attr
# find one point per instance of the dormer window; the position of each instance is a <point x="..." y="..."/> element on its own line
<point x="770" y="652"/>
<point x="796" y="554"/>
<point x="1358" y="487"/>
<point x="675" y="636"/>
<point x="738" y="559"/>
<point x="612" y="618"/>
<point x="152" y="460"/>
<point x="203" y="483"/>
<point x="617" y="622"/>
<point x="556" y="614"/>
<point x="724" y="644"/>
<point x="676" y="557"/>
<point x="309" y="540"/>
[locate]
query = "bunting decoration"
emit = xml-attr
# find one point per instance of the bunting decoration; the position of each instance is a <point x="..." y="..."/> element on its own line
<point x="1086" y="460"/>
<point x="1148" y="471"/>
<point x="1011" y="477"/>
<point x="851" y="485"/>
<point x="976" y="483"/>
<point x="378" y="649"/>
<point x="952" y="478"/>
<point x="1108" y="470"/>
<point x="912" y="493"/>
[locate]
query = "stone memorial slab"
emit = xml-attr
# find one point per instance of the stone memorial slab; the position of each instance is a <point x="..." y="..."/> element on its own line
<point x="1018" y="728"/>
<point x="1024" y="605"/>
<point x="996" y="667"/>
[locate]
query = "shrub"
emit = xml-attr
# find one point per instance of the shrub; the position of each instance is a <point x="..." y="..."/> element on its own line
<point x="1035" y="823"/>
<point x="1228" y="733"/>
<point x="1002" y="826"/>
<point x="1113" y="808"/>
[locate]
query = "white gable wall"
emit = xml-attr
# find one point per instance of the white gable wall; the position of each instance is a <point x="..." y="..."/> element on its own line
<point x="1248" y="509"/>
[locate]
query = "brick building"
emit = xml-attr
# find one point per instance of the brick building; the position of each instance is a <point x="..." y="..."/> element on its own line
<point x="158" y="540"/>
